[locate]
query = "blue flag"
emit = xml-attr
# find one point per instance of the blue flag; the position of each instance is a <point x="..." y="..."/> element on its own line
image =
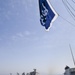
<point x="47" y="13"/>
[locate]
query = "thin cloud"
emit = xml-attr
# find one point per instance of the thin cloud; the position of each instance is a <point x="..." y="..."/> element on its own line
<point x="20" y="34"/>
<point x="24" y="35"/>
<point x="14" y="37"/>
<point x="27" y="33"/>
<point x="0" y="39"/>
<point x="17" y="36"/>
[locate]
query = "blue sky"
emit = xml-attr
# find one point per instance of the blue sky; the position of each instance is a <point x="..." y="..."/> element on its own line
<point x="24" y="43"/>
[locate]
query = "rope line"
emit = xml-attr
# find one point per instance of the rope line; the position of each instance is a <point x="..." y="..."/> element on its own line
<point x="73" y="1"/>
<point x="68" y="9"/>
<point x="67" y="21"/>
<point x="69" y="12"/>
<point x="70" y="5"/>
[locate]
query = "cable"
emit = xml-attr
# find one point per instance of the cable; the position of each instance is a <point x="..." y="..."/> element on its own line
<point x="70" y="5"/>
<point x="67" y="21"/>
<point x="68" y="9"/>
<point x="64" y="18"/>
<point x="73" y="1"/>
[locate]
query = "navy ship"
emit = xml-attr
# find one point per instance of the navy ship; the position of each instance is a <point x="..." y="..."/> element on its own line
<point x="69" y="71"/>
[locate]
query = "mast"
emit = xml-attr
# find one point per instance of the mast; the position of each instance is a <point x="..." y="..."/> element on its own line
<point x="72" y="54"/>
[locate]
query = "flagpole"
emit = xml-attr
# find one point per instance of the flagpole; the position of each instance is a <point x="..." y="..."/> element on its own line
<point x="72" y="54"/>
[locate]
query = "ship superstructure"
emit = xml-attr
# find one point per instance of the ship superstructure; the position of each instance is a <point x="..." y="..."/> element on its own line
<point x="69" y="71"/>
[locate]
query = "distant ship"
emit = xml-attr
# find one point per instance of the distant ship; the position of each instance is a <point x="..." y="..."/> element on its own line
<point x="69" y="71"/>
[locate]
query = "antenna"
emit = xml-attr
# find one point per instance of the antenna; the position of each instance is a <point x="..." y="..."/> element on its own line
<point x="72" y="54"/>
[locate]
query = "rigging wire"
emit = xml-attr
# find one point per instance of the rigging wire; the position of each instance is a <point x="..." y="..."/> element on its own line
<point x="68" y="8"/>
<point x="64" y="18"/>
<point x="73" y="1"/>
<point x="70" y="5"/>
<point x="67" y="21"/>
